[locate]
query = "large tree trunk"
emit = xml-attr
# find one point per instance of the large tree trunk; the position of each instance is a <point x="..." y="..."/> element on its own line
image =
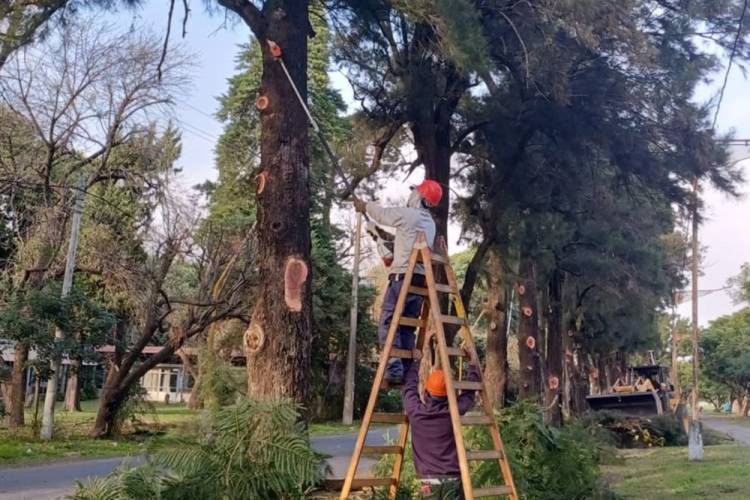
<point x="579" y="387"/>
<point x="434" y="90"/>
<point x="17" y="393"/>
<point x="73" y="387"/>
<point x="496" y="367"/>
<point x="555" y="333"/>
<point x="278" y="340"/>
<point x="110" y="401"/>
<point x="528" y="333"/>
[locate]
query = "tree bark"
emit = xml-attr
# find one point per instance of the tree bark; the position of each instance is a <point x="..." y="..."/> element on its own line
<point x="528" y="333"/>
<point x="555" y="333"/>
<point x="278" y="340"/>
<point x="496" y="363"/>
<point x="73" y="387"/>
<point x="17" y="394"/>
<point x="110" y="401"/>
<point x="433" y="92"/>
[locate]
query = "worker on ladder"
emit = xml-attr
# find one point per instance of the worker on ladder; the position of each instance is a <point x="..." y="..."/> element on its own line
<point x="408" y="221"/>
<point x="433" y="443"/>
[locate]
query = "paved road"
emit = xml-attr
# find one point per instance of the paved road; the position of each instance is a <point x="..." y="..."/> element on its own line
<point x="740" y="433"/>
<point x="55" y="480"/>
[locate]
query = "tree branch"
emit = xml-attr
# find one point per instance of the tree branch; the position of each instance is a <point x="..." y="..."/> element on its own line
<point x="466" y="132"/>
<point x="249" y="13"/>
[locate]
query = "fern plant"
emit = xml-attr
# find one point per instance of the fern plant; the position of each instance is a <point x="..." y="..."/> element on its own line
<point x="256" y="448"/>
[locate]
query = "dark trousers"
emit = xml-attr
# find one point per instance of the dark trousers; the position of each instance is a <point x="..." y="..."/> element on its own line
<point x="405" y="338"/>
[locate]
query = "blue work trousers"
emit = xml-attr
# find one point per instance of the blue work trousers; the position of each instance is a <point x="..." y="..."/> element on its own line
<point x="405" y="338"/>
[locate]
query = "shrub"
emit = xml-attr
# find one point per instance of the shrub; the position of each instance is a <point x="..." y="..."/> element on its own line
<point x="547" y="463"/>
<point x="629" y="431"/>
<point x="253" y="449"/>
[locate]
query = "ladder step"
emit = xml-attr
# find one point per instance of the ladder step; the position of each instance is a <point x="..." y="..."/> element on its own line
<point x="483" y="455"/>
<point x="389" y="418"/>
<point x="475" y="420"/>
<point x="401" y="353"/>
<point x="454" y="320"/>
<point x="466" y="385"/>
<point x="382" y="450"/>
<point x="418" y="290"/>
<point x="456" y="351"/>
<point x="438" y="259"/>
<point x="492" y="491"/>
<point x="416" y="322"/>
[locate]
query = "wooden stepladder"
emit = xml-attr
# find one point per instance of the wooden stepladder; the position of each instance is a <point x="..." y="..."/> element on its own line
<point x="432" y="316"/>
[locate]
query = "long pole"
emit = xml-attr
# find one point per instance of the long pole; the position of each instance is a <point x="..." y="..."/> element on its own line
<point x="48" y="415"/>
<point x="675" y="341"/>
<point x="351" y="357"/>
<point x="695" y="438"/>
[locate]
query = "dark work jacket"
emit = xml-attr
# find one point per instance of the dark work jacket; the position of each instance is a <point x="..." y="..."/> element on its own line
<point x="432" y="438"/>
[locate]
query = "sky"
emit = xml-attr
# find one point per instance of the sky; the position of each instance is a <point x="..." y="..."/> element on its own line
<point x="725" y="233"/>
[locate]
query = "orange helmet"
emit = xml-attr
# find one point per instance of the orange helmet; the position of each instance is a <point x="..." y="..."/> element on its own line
<point x="436" y="384"/>
<point x="431" y="192"/>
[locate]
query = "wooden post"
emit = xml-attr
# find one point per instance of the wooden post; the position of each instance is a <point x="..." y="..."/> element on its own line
<point x="351" y="357"/>
<point x="695" y="438"/>
<point x="48" y="415"/>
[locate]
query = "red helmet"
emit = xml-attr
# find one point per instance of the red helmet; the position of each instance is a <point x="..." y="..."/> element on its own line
<point x="431" y="192"/>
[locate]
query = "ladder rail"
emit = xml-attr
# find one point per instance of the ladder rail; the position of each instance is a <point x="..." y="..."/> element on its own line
<point x="379" y="374"/>
<point x="432" y="322"/>
<point x="445" y="361"/>
<point x="486" y="402"/>
<point x="403" y="441"/>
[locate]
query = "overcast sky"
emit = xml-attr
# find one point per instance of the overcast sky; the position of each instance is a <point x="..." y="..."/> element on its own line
<point x="726" y="232"/>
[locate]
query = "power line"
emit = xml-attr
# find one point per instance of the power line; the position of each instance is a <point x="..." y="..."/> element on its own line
<point x="729" y="66"/>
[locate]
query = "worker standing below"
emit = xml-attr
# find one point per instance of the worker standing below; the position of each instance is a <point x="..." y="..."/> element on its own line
<point x="433" y="443"/>
<point x="408" y="221"/>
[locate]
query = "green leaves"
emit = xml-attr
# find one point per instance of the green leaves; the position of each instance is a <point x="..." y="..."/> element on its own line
<point x="255" y="448"/>
<point x="726" y="351"/>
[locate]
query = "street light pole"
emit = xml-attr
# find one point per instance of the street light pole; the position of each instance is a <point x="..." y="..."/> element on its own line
<point x="48" y="415"/>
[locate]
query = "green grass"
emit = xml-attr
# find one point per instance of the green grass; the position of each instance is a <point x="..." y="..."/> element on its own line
<point x="165" y="426"/>
<point x="666" y="473"/>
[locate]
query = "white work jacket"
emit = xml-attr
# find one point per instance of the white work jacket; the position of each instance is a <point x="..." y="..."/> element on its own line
<point x="407" y="222"/>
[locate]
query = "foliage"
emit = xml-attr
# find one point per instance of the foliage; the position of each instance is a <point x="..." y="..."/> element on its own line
<point x="133" y="408"/>
<point x="31" y="316"/>
<point x="254" y="449"/>
<point x="740" y="284"/>
<point x="627" y="431"/>
<point x="222" y="382"/>
<point x="726" y="351"/>
<point x="547" y="463"/>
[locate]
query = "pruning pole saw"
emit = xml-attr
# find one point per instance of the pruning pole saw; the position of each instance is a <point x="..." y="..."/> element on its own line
<point x="382" y="238"/>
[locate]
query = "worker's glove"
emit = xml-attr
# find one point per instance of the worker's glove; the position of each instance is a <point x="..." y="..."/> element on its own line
<point x="359" y="205"/>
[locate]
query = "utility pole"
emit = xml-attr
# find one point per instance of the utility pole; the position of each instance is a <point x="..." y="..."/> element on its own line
<point x="48" y="415"/>
<point x="695" y="437"/>
<point x="351" y="357"/>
